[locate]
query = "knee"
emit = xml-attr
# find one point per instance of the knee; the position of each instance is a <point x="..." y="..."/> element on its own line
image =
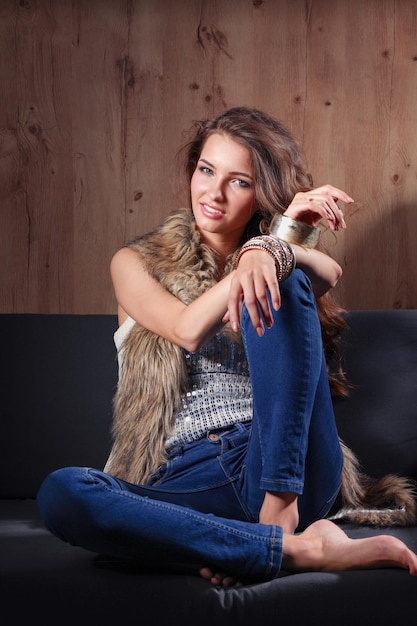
<point x="58" y="500"/>
<point x="297" y="284"/>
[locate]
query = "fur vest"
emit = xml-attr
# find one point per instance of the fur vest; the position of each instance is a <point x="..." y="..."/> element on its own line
<point x="153" y="375"/>
<point x="153" y="378"/>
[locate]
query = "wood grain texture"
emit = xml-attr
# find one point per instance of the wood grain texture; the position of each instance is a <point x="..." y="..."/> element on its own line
<point x="98" y="95"/>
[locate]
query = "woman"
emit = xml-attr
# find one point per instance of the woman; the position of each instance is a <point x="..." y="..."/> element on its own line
<point x="225" y="455"/>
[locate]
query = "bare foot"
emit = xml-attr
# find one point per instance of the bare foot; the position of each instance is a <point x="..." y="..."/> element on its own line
<point x="323" y="546"/>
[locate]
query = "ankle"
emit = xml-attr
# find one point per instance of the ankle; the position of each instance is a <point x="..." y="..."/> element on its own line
<point x="280" y="509"/>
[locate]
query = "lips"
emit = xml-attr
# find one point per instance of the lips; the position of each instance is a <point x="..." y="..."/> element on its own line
<point x="210" y="211"/>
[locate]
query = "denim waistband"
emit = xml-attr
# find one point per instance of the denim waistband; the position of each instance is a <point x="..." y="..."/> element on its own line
<point x="227" y="431"/>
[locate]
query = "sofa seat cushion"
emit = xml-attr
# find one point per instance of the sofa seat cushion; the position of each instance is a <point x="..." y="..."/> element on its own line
<point x="44" y="579"/>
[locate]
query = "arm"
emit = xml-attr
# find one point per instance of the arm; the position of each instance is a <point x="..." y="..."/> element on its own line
<point x="145" y="300"/>
<point x="256" y="270"/>
<point x="311" y="207"/>
<point x="322" y="270"/>
<point x="190" y="326"/>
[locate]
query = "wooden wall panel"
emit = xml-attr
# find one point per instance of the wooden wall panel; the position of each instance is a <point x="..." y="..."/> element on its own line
<point x="97" y="95"/>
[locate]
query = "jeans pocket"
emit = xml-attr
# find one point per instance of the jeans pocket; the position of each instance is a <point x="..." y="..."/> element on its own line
<point x="158" y="476"/>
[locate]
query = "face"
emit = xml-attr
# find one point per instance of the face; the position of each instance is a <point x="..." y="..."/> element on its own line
<point x="222" y="191"/>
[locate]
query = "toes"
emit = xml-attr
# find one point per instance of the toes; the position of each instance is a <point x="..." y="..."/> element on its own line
<point x="218" y="579"/>
<point x="207" y="573"/>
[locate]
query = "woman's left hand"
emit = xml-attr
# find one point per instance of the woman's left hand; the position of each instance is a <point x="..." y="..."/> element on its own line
<point x="256" y="272"/>
<point x="310" y="207"/>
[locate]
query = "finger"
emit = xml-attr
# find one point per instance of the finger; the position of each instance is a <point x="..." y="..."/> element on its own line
<point x="261" y="292"/>
<point x="238" y="293"/>
<point x="275" y="293"/>
<point x="268" y="292"/>
<point x="338" y="214"/>
<point x="320" y="203"/>
<point x="316" y="208"/>
<point x="267" y="289"/>
<point x="335" y="193"/>
<point x="234" y="305"/>
<point x="251" y="302"/>
<point x="326" y="207"/>
<point x="243" y="288"/>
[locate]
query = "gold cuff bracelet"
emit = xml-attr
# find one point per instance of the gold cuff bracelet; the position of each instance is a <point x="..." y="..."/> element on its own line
<point x="292" y="231"/>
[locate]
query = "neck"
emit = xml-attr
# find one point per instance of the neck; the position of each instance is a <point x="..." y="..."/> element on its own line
<point x="221" y="246"/>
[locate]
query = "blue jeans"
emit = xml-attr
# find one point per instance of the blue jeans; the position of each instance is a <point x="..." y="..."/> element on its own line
<point x="202" y="507"/>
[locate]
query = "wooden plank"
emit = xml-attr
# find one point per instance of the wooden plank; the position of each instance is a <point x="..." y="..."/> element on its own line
<point x="148" y="151"/>
<point x="401" y="181"/>
<point x="255" y="70"/>
<point x="14" y="217"/>
<point x="100" y="64"/>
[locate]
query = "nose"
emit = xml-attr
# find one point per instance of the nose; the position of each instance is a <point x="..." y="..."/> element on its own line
<point x="216" y="191"/>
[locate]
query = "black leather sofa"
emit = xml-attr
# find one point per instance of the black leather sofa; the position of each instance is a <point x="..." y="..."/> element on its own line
<point x="58" y="376"/>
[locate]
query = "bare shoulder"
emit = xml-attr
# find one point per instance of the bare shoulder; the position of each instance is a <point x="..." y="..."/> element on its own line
<point x="140" y="296"/>
<point x="127" y="268"/>
<point x="124" y="258"/>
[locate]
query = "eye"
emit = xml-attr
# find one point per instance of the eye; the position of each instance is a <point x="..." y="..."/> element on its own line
<point x="242" y="183"/>
<point x="205" y="170"/>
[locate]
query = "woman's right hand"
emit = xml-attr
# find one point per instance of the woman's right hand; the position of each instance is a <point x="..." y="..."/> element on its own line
<point x="254" y="277"/>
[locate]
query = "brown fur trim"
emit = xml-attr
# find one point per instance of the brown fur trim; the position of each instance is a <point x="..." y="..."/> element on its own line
<point x="175" y="257"/>
<point x="386" y="501"/>
<point x="144" y="404"/>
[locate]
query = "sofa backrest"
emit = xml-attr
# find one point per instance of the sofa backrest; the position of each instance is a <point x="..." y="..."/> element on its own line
<point x="59" y="374"/>
<point x="379" y="419"/>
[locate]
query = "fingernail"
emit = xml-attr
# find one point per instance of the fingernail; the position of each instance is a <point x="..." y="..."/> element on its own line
<point x="260" y="331"/>
<point x="235" y="326"/>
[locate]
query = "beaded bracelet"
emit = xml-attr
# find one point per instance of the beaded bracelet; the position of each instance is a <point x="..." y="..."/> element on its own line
<point x="281" y="252"/>
<point x="285" y="251"/>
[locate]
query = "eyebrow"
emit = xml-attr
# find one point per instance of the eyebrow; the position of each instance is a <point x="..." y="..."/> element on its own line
<point x="233" y="173"/>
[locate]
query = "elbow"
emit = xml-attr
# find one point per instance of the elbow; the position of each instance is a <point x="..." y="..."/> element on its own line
<point x="186" y="340"/>
<point x="324" y="284"/>
<point x="192" y="339"/>
<point x="333" y="278"/>
<point x="192" y="346"/>
<point x="337" y="275"/>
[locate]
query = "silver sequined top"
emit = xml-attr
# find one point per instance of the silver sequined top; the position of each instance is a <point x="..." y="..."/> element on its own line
<point x="219" y="392"/>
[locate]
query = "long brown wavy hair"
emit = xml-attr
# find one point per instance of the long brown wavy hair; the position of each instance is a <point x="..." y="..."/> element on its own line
<point x="280" y="171"/>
